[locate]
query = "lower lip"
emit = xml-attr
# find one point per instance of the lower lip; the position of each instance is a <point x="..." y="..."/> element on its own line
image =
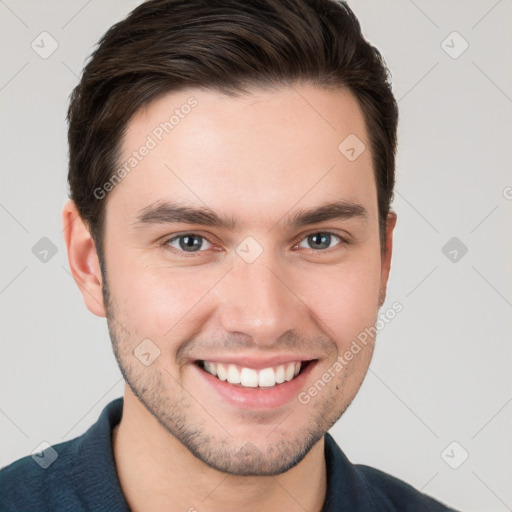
<point x="258" y="398"/>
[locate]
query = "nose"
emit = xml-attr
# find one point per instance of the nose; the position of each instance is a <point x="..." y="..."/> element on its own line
<point x="257" y="300"/>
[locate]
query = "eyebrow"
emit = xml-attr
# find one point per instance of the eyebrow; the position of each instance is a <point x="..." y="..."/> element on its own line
<point x="165" y="212"/>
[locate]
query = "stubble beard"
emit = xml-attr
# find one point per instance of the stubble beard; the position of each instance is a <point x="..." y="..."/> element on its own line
<point x="205" y="438"/>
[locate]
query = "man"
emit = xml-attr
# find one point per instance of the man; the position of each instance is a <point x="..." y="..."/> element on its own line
<point x="231" y="173"/>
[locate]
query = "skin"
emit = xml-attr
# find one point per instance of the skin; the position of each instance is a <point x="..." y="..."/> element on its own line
<point x="258" y="158"/>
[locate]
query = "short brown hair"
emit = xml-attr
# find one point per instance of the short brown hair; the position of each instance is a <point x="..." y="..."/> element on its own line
<point x="227" y="45"/>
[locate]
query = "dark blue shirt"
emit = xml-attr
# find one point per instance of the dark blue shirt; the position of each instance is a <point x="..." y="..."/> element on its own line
<point x="83" y="477"/>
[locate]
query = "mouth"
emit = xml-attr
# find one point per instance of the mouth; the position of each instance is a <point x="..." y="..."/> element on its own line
<point x="253" y="383"/>
<point x="246" y="377"/>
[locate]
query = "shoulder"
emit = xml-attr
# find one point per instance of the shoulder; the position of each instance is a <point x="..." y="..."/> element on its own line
<point x="78" y="474"/>
<point x="29" y="482"/>
<point x="400" y="495"/>
<point x="362" y="487"/>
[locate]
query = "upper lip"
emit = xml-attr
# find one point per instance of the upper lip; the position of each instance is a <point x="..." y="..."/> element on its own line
<point x="255" y="362"/>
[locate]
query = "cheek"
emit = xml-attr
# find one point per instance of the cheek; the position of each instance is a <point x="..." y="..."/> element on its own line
<point x="166" y="303"/>
<point x="158" y="301"/>
<point x="345" y="298"/>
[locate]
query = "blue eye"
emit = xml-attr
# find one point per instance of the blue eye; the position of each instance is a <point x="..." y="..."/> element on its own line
<point x="320" y="240"/>
<point x="186" y="244"/>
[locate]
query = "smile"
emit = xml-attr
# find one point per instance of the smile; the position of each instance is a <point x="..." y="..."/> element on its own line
<point x="252" y="378"/>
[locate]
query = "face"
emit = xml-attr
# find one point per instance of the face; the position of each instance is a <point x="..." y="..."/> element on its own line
<point x="242" y="260"/>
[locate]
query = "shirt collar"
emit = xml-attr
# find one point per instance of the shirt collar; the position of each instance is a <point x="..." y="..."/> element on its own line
<point x="347" y="489"/>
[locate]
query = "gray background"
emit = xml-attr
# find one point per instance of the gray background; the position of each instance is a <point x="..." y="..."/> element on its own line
<point x="442" y="368"/>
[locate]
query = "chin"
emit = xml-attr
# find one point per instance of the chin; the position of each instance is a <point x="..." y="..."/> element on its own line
<point x="250" y="460"/>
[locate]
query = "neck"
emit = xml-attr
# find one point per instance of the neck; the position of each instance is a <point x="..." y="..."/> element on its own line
<point x="155" y="470"/>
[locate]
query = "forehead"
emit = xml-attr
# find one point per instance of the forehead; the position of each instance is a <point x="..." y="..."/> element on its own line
<point x="253" y="156"/>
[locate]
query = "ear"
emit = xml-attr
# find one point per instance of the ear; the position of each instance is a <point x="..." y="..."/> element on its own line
<point x="386" y="256"/>
<point x="83" y="259"/>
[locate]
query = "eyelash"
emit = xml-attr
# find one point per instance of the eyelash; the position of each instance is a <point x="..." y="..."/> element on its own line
<point x="184" y="254"/>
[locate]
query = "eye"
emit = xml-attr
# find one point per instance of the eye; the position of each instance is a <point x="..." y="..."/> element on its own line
<point x="187" y="242"/>
<point x="320" y="240"/>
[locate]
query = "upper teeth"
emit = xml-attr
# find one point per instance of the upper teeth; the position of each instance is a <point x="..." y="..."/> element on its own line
<point x="248" y="377"/>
